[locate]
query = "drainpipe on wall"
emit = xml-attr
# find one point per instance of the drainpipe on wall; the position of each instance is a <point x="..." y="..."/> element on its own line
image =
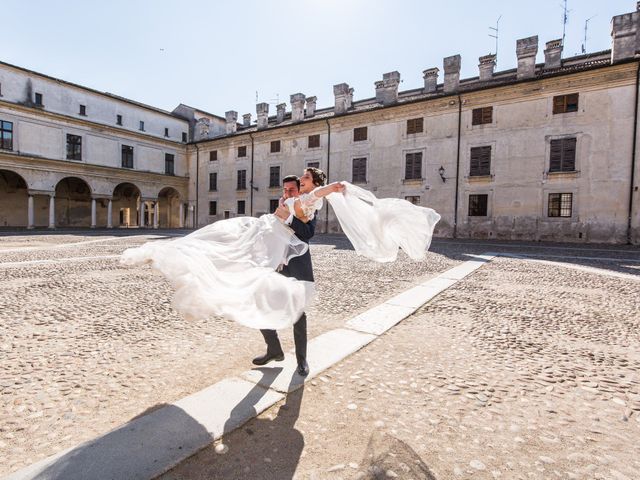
<point x="633" y="157"/>
<point x="251" y="181"/>
<point x="197" y="184"/>
<point x="455" y="211"/>
<point x="326" y="218"/>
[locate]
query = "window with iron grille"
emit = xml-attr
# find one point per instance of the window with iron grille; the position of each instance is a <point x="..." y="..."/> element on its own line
<point x="314" y="141"/>
<point x="480" y="161"/>
<point x="359" y="134"/>
<point x="273" y="205"/>
<point x="480" y="116"/>
<point x="74" y="147"/>
<point x="359" y="170"/>
<point x="415" y="199"/>
<point x="213" y="181"/>
<point x="478" y="205"/>
<point x="415" y="125"/>
<point x="242" y="180"/>
<point x="563" y="155"/>
<point x="184" y="137"/>
<point x="274" y="177"/>
<point x="213" y="207"/>
<point x="38" y="99"/>
<point x="241" y="207"/>
<point x="213" y="155"/>
<point x="127" y="156"/>
<point x="242" y="151"/>
<point x="169" y="164"/>
<point x="118" y="119"/>
<point x="413" y="166"/>
<point x="275" y="146"/>
<point x="565" y="103"/>
<point x="560" y="204"/>
<point x="83" y="110"/>
<point x="313" y="165"/>
<point x="6" y="135"/>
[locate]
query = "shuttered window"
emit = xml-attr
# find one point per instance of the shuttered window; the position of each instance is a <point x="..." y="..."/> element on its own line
<point x="213" y="181"/>
<point x="563" y="155"/>
<point x="273" y="205"/>
<point x="359" y="134"/>
<point x="213" y="207"/>
<point x="314" y="141"/>
<point x="482" y="115"/>
<point x="242" y="151"/>
<point x="242" y="180"/>
<point x="565" y="103"/>
<point x="413" y="166"/>
<point x="241" y="207"/>
<point x="560" y="204"/>
<point x="213" y="155"/>
<point x="480" y="162"/>
<point x="274" y="177"/>
<point x="359" y="170"/>
<point x="275" y="146"/>
<point x="415" y="125"/>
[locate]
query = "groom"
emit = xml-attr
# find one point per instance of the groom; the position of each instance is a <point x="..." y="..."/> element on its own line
<point x="299" y="268"/>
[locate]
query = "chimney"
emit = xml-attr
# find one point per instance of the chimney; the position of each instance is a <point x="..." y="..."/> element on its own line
<point x="486" y="66"/>
<point x="387" y="89"/>
<point x="526" y="50"/>
<point x="451" y="73"/>
<point x="553" y="54"/>
<point x="350" y="98"/>
<point x="262" y="109"/>
<point x="281" y="109"/>
<point x="297" y="107"/>
<point x="624" y="35"/>
<point x="341" y="94"/>
<point x="202" y="128"/>
<point x="311" y="107"/>
<point x="430" y="76"/>
<point x="246" y="120"/>
<point x="232" y="119"/>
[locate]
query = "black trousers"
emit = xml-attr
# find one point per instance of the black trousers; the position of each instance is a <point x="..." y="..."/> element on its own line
<point x="299" y="337"/>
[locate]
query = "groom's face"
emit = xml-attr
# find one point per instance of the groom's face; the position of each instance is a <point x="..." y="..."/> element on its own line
<point x="290" y="189"/>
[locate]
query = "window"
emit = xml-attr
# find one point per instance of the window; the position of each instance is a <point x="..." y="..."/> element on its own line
<point x="0" y="89"/>
<point x="413" y="166"/>
<point x="166" y="132"/>
<point x="39" y="99"/>
<point x="314" y="141"/>
<point x="565" y="103"/>
<point x="184" y="137"/>
<point x="127" y="156"/>
<point x="227" y="214"/>
<point x="118" y="119"/>
<point x="478" y="205"/>
<point x="213" y="181"/>
<point x="560" y="204"/>
<point x="241" y="207"/>
<point x="242" y="151"/>
<point x="275" y="146"/>
<point x="480" y="116"/>
<point x="242" y="180"/>
<point x="213" y="207"/>
<point x="141" y="128"/>
<point x="563" y="155"/>
<point x="6" y="135"/>
<point x="273" y="205"/>
<point x="313" y="165"/>
<point x="415" y="125"/>
<point x="74" y="147"/>
<point x="415" y="199"/>
<point x="359" y="134"/>
<point x="480" y="161"/>
<point x="359" y="170"/>
<point x="83" y="110"/>
<point x="213" y="155"/>
<point x="274" y="177"/>
<point x="169" y="164"/>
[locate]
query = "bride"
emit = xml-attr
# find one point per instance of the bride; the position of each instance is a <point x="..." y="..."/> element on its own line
<point x="229" y="268"/>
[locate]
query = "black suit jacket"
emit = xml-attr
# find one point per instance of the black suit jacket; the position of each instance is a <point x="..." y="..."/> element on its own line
<point x="300" y="267"/>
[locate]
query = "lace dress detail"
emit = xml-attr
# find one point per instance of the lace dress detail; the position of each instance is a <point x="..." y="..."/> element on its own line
<point x="309" y="203"/>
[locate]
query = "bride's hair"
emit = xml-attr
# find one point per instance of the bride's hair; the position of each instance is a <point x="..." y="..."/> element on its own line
<point x="319" y="177"/>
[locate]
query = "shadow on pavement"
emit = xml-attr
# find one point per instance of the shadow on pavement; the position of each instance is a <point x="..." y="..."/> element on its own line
<point x="388" y="457"/>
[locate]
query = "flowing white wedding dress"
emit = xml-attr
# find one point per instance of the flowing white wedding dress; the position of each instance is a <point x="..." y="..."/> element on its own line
<point x="229" y="268"/>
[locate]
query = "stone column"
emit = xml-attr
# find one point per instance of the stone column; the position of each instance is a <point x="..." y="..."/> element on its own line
<point x="30" y="212"/>
<point x="110" y="214"/>
<point x="93" y="213"/>
<point x="155" y="215"/>
<point x="52" y="211"/>
<point x="181" y="222"/>
<point x="141" y="219"/>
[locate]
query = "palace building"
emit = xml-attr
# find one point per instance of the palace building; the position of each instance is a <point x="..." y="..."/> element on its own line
<point x="545" y="151"/>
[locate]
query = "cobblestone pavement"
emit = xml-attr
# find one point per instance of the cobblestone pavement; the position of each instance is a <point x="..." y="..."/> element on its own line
<point x="523" y="370"/>
<point x="87" y="344"/>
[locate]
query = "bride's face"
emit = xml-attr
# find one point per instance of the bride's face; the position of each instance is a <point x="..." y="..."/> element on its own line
<point x="306" y="182"/>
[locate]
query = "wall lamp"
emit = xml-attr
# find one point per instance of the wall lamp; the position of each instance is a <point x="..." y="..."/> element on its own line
<point x="441" y="172"/>
<point x="253" y="187"/>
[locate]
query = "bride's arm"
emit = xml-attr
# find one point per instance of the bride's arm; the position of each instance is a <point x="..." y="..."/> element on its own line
<point x="321" y="192"/>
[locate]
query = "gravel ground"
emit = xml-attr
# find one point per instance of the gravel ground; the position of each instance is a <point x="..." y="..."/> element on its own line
<point x="88" y="344"/>
<point x="521" y="371"/>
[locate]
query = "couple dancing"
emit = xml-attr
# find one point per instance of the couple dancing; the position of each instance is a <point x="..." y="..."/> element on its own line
<point x="258" y="272"/>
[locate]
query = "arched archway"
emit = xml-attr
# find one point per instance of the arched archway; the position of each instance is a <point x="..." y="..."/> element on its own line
<point x="169" y="208"/>
<point x="72" y="203"/>
<point x="126" y="204"/>
<point x="14" y="197"/>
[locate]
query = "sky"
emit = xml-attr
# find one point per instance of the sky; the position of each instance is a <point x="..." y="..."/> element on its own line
<point x="218" y="56"/>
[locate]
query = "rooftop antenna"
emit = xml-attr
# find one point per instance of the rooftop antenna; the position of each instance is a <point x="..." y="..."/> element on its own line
<point x="586" y="25"/>
<point x="565" y="19"/>
<point x="496" y="36"/>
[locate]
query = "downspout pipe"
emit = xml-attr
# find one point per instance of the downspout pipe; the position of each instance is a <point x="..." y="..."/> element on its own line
<point x="326" y="218"/>
<point x="196" y="222"/>
<point x="455" y="208"/>
<point x="633" y="158"/>
<point x="251" y="187"/>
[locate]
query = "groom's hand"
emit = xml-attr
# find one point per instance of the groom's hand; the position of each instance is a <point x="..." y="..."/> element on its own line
<point x="282" y="213"/>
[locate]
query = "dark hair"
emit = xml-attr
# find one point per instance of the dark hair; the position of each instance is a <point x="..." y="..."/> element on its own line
<point x="291" y="178"/>
<point x="319" y="177"/>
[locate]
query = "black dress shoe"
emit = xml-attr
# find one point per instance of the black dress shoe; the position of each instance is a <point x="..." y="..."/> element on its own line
<point x="267" y="357"/>
<point x="303" y="368"/>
